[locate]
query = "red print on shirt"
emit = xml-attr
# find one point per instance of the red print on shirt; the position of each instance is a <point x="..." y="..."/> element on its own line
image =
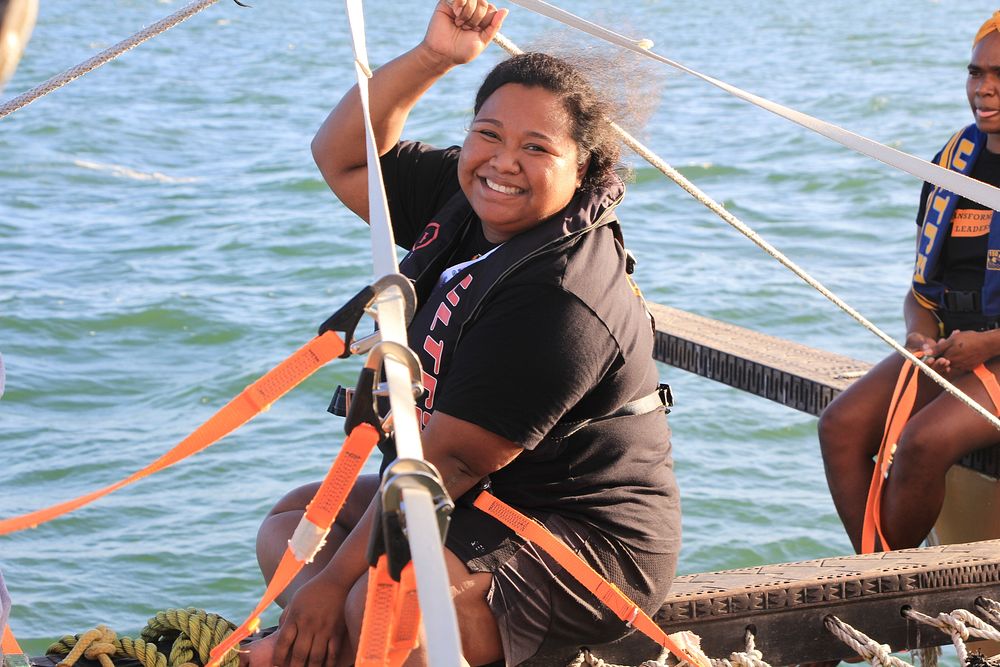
<point x="435" y="347"/>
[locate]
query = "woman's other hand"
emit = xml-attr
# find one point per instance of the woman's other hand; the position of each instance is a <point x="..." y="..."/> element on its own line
<point x="312" y="631"/>
<point x="459" y="32"/>
<point x="965" y="350"/>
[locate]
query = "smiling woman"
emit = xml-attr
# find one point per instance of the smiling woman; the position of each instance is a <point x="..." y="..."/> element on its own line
<point x="536" y="352"/>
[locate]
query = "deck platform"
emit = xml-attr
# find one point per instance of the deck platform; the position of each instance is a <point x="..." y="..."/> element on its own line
<point x="794" y="375"/>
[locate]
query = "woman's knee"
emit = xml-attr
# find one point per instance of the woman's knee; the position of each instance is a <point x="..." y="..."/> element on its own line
<point x="835" y="427"/>
<point x="922" y="451"/>
<point x="295" y="500"/>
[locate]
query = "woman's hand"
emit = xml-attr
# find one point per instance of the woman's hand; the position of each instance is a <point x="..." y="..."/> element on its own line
<point x="459" y="32"/>
<point x="964" y="350"/>
<point x="919" y="343"/>
<point x="311" y="632"/>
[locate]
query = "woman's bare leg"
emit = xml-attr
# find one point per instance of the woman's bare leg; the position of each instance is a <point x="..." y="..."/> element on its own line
<point x="280" y="523"/>
<point x="935" y="438"/>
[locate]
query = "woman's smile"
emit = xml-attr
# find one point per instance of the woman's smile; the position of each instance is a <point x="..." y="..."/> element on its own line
<point x="519" y="164"/>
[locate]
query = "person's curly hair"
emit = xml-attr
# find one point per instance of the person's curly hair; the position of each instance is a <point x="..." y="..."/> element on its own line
<point x="588" y="110"/>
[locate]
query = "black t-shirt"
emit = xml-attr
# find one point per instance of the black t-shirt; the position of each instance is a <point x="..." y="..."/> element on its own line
<point x="538" y="354"/>
<point x="963" y="257"/>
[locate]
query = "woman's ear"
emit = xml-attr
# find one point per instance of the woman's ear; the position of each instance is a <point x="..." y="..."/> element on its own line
<point x="581" y="171"/>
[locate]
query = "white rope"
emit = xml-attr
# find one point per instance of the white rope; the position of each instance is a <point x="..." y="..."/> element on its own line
<point x="877" y="654"/>
<point x="761" y="243"/>
<point x="959" y="625"/>
<point x="441" y="624"/>
<point x="990" y="609"/>
<point x="970" y="188"/>
<point x="103" y="57"/>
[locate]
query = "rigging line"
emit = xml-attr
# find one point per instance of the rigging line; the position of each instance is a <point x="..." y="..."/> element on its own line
<point x="764" y="245"/>
<point x="109" y="54"/>
<point x="977" y="191"/>
<point x="427" y="552"/>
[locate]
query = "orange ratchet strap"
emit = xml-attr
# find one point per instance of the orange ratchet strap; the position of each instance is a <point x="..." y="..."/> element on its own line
<point x="389" y="631"/>
<point x="310" y="535"/>
<point x="900" y="409"/>
<point x="248" y="404"/>
<point x="605" y="591"/>
<point x="8" y="643"/>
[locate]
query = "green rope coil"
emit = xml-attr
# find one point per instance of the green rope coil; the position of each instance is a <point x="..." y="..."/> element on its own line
<point x="192" y="633"/>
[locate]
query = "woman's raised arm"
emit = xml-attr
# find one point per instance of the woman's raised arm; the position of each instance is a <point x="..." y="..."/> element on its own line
<point x="457" y="34"/>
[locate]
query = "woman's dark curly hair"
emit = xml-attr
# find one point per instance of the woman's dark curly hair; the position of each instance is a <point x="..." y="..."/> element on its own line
<point x="589" y="112"/>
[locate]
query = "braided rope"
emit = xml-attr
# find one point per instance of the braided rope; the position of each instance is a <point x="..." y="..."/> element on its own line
<point x="990" y="609"/>
<point x="103" y="57"/>
<point x="959" y="625"/>
<point x="877" y="654"/>
<point x="74" y="646"/>
<point x="193" y="632"/>
<point x="749" y="658"/>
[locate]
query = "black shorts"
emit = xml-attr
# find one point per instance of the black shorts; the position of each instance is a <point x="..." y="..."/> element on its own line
<point x="542" y="612"/>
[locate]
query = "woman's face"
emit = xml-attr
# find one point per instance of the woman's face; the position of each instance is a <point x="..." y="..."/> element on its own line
<point x="983" y="86"/>
<point x="519" y="165"/>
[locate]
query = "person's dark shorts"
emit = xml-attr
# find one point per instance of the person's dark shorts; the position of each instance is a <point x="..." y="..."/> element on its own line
<point x="542" y="612"/>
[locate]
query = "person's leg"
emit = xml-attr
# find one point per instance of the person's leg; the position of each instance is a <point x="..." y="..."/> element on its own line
<point x="850" y="431"/>
<point x="280" y="523"/>
<point x="935" y="438"/>
<point x="477" y="626"/>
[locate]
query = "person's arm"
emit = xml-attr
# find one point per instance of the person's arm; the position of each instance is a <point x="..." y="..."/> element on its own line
<point x="922" y="328"/>
<point x="311" y="628"/>
<point x="456" y="34"/>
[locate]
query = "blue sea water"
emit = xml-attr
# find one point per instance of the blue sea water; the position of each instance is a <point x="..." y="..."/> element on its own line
<point x="165" y="239"/>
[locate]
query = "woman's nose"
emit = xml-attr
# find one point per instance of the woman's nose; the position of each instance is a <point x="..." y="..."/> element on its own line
<point x="988" y="84"/>
<point x="505" y="161"/>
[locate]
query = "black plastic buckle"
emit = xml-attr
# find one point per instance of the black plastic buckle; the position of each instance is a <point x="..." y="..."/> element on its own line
<point x="348" y="316"/>
<point x="666" y="395"/>
<point x="962" y="302"/>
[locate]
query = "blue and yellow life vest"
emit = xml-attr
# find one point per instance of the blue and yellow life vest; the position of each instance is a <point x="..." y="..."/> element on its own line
<point x="959" y="154"/>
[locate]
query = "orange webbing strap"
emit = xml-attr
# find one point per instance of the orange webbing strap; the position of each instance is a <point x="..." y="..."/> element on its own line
<point x="310" y="536"/>
<point x="8" y="643"/>
<point x="406" y="619"/>
<point x="990" y="383"/>
<point x="900" y="409"/>
<point x="247" y="405"/>
<point x="605" y="591"/>
<point x="376" y="627"/>
<point x="389" y="631"/>
<point x="900" y="406"/>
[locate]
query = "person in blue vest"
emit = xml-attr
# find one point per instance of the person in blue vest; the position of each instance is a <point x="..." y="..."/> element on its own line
<point x="952" y="314"/>
<point x="536" y="350"/>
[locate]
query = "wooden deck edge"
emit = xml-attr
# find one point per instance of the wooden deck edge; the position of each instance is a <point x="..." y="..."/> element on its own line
<point x="785" y="604"/>
<point x="794" y="375"/>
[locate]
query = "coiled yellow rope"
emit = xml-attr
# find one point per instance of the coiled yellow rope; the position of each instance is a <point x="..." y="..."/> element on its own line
<point x="194" y="632"/>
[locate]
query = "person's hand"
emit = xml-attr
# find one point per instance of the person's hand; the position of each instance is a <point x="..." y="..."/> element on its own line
<point x="964" y="350"/>
<point x="459" y="32"/>
<point x="919" y="343"/>
<point x="311" y="631"/>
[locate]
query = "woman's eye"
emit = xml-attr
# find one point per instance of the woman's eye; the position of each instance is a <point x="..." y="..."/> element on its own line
<point x="490" y="134"/>
<point x="535" y="148"/>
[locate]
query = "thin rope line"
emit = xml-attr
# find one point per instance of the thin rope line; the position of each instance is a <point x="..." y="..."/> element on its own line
<point x="109" y="54"/>
<point x="977" y="191"/>
<point x="747" y="231"/>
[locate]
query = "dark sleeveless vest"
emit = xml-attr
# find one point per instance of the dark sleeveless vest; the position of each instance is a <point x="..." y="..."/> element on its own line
<point x="445" y="310"/>
<point x="959" y="154"/>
